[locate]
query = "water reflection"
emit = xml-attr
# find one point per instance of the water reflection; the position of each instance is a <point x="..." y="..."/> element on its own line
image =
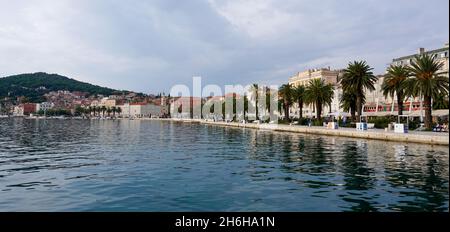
<point x="424" y="182"/>
<point x="358" y="177"/>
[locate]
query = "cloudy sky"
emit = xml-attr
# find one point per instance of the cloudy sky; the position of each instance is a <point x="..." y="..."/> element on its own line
<point x="149" y="46"/>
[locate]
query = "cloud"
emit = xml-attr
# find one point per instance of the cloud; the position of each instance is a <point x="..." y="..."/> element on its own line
<point x="257" y="18"/>
<point x="150" y="46"/>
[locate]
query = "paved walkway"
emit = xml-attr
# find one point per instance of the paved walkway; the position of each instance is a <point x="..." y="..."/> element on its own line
<point x="425" y="137"/>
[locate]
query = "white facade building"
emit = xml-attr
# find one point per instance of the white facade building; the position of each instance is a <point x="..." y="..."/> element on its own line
<point x="329" y="77"/>
<point x="142" y="110"/>
<point x="44" y="106"/>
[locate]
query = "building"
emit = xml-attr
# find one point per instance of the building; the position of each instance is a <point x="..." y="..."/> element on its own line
<point x="376" y="103"/>
<point x="108" y="102"/>
<point x="18" y="111"/>
<point x="44" y="106"/>
<point x="326" y="74"/>
<point x="24" y="109"/>
<point x="329" y="77"/>
<point x="441" y="54"/>
<point x="142" y="110"/>
<point x="183" y="107"/>
<point x="64" y="99"/>
<point x="379" y="105"/>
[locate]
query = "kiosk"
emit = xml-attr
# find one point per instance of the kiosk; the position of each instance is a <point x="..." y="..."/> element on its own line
<point x="401" y="128"/>
<point x="362" y="125"/>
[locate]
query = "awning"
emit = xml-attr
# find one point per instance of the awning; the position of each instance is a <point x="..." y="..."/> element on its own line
<point x="337" y="114"/>
<point x="379" y="114"/>
<point x="435" y="113"/>
<point x="440" y="113"/>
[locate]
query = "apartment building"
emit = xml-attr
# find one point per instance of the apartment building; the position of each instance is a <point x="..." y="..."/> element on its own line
<point x="142" y="110"/>
<point x="441" y="54"/>
<point x="379" y="105"/>
<point x="329" y="76"/>
<point x="44" y="106"/>
<point x="24" y="109"/>
<point x="183" y="107"/>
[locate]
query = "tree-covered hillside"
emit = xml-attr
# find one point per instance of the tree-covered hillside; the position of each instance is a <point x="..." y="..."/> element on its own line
<point x="33" y="86"/>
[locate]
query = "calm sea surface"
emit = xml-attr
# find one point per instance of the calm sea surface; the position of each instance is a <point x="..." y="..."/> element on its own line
<point x="75" y="165"/>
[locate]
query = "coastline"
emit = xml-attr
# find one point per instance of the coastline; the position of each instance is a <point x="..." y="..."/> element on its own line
<point x="430" y="138"/>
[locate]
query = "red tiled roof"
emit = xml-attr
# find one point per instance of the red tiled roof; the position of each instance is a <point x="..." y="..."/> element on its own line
<point x="232" y="95"/>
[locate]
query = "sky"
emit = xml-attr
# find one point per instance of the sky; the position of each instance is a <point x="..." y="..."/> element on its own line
<point x="150" y="46"/>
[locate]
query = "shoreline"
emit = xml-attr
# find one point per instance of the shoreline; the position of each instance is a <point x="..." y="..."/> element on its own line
<point x="430" y="138"/>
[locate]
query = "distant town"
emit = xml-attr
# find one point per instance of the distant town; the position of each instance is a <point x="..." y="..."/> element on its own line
<point x="66" y="103"/>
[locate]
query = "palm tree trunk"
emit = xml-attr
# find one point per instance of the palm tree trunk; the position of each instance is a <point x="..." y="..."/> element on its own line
<point x="300" y="106"/>
<point x="319" y="110"/>
<point x="286" y="112"/>
<point x="428" y="115"/>
<point x="359" y="105"/>
<point x="400" y="103"/>
<point x="256" y="107"/>
<point x="353" y="113"/>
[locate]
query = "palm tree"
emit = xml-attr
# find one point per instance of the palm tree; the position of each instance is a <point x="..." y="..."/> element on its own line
<point x="245" y="107"/>
<point x="320" y="94"/>
<point x="114" y="110"/>
<point x="103" y="110"/>
<point x="87" y="111"/>
<point x="99" y="109"/>
<point x="119" y="110"/>
<point x="358" y="77"/>
<point x="440" y="102"/>
<point x="91" y="110"/>
<point x="271" y="97"/>
<point x="395" y="83"/>
<point x="255" y="92"/>
<point x="428" y="81"/>
<point x="286" y="92"/>
<point x="348" y="103"/>
<point x="94" y="110"/>
<point x="299" y="96"/>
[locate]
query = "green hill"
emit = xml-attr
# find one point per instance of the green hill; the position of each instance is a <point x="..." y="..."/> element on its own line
<point x="34" y="85"/>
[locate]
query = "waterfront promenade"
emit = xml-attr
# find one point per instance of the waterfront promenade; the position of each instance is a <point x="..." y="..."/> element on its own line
<point x="424" y="137"/>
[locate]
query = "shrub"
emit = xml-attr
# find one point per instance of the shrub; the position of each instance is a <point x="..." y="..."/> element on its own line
<point x="317" y="122"/>
<point x="414" y="124"/>
<point x="349" y="124"/>
<point x="303" y="121"/>
<point x="381" y="122"/>
<point x="283" y="121"/>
